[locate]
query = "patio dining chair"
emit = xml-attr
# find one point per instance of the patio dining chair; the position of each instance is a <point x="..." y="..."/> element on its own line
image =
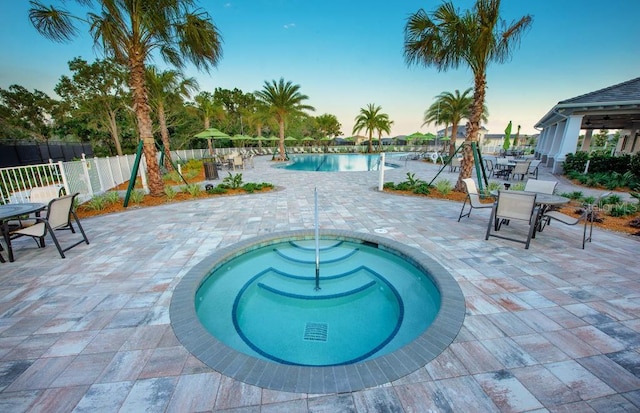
<point x="587" y="216"/>
<point x="522" y="169"/>
<point x="472" y="197"/>
<point x="59" y="214"/>
<point x="455" y="164"/>
<point x="543" y="187"/>
<point x="513" y="206"/>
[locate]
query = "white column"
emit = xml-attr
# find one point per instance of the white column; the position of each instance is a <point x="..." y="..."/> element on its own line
<point x="586" y="142"/>
<point x="548" y="142"/>
<point x="568" y="141"/>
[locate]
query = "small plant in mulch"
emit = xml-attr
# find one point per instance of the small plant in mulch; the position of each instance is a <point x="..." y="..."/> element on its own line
<point x="192" y="189"/>
<point x="233" y="181"/>
<point x="136" y="196"/>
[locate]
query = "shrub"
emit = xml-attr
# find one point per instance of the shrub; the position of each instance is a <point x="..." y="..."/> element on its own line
<point x="193" y="189"/>
<point x="112" y="197"/>
<point x="251" y="187"/>
<point x="422" y="189"/>
<point x="170" y="192"/>
<point x="389" y="185"/>
<point x="622" y="209"/>
<point x="97" y="203"/>
<point x="575" y="195"/>
<point x="444" y="186"/>
<point x="233" y="181"/>
<point x="634" y="165"/>
<point x="218" y="189"/>
<point x="575" y="162"/>
<point x="518" y="187"/>
<point x="136" y="196"/>
<point x="172" y="176"/>
<point x="612" y="199"/>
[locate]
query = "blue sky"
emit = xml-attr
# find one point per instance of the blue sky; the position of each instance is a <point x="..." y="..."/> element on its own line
<point x="346" y="54"/>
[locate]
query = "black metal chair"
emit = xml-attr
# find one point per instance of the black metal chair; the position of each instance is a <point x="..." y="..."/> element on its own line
<point x="59" y="214"/>
<point x="513" y="206"/>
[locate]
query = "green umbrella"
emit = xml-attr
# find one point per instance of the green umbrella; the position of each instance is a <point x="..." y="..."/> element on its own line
<point x="290" y="139"/>
<point x="429" y="136"/>
<point x="211" y="133"/>
<point x="507" y="137"/>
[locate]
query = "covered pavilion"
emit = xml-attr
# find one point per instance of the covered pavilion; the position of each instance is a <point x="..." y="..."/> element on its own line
<point x="614" y="107"/>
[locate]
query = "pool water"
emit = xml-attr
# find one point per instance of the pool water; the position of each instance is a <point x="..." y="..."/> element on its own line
<point x="336" y="163"/>
<point x="263" y="303"/>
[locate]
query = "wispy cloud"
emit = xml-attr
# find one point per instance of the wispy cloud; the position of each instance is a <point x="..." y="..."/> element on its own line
<point x="227" y="5"/>
<point x="289" y="26"/>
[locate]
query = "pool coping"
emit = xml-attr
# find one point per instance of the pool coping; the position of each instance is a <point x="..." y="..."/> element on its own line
<point x="317" y="380"/>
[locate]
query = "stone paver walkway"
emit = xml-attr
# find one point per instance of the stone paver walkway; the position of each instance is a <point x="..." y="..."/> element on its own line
<point x="551" y="329"/>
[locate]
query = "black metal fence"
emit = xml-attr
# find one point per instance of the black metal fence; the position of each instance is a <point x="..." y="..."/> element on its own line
<point x="38" y="153"/>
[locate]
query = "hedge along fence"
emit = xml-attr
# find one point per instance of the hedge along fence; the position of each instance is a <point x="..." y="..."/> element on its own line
<point x="602" y="163"/>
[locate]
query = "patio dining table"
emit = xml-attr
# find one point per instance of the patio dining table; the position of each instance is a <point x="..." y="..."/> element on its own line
<point x="10" y="212"/>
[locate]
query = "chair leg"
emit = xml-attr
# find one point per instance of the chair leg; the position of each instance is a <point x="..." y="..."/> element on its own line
<point x="55" y="240"/>
<point x="80" y="227"/>
<point x="491" y="223"/>
<point x="462" y="210"/>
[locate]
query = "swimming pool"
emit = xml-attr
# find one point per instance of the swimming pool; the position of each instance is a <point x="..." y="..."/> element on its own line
<point x="336" y="163"/>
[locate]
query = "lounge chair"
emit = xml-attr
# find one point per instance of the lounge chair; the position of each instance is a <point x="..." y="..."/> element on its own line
<point x="533" y="168"/>
<point x="59" y="214"/>
<point x="472" y="197"/>
<point x="586" y="216"/>
<point x="513" y="206"/>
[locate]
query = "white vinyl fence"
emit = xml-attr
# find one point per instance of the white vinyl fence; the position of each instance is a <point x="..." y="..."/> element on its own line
<point x="88" y="176"/>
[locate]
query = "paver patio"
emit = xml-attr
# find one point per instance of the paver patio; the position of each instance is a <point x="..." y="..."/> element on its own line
<point x="553" y="328"/>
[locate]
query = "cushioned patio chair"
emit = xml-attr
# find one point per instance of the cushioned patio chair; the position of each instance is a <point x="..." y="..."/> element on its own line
<point x="59" y="214"/>
<point x="473" y="197"/>
<point x="586" y="216"/>
<point x="513" y="206"/>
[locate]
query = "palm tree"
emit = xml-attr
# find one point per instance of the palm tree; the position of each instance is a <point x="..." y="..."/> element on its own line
<point x="383" y="126"/>
<point x="284" y="100"/>
<point x="454" y="107"/>
<point x="371" y="119"/>
<point x="164" y="88"/>
<point x="130" y="31"/>
<point x="475" y="38"/>
<point x="208" y="109"/>
<point x="259" y="117"/>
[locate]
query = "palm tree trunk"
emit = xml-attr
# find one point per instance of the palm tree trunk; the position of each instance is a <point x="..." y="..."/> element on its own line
<point x="283" y="157"/>
<point x="370" y="150"/>
<point x="452" y="142"/>
<point x="164" y="133"/>
<point x="145" y="129"/>
<point x="113" y="130"/>
<point x="207" y="124"/>
<point x="466" y="167"/>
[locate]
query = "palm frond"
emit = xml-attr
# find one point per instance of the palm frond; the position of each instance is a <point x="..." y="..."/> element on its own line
<point x="199" y="40"/>
<point x="52" y="23"/>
